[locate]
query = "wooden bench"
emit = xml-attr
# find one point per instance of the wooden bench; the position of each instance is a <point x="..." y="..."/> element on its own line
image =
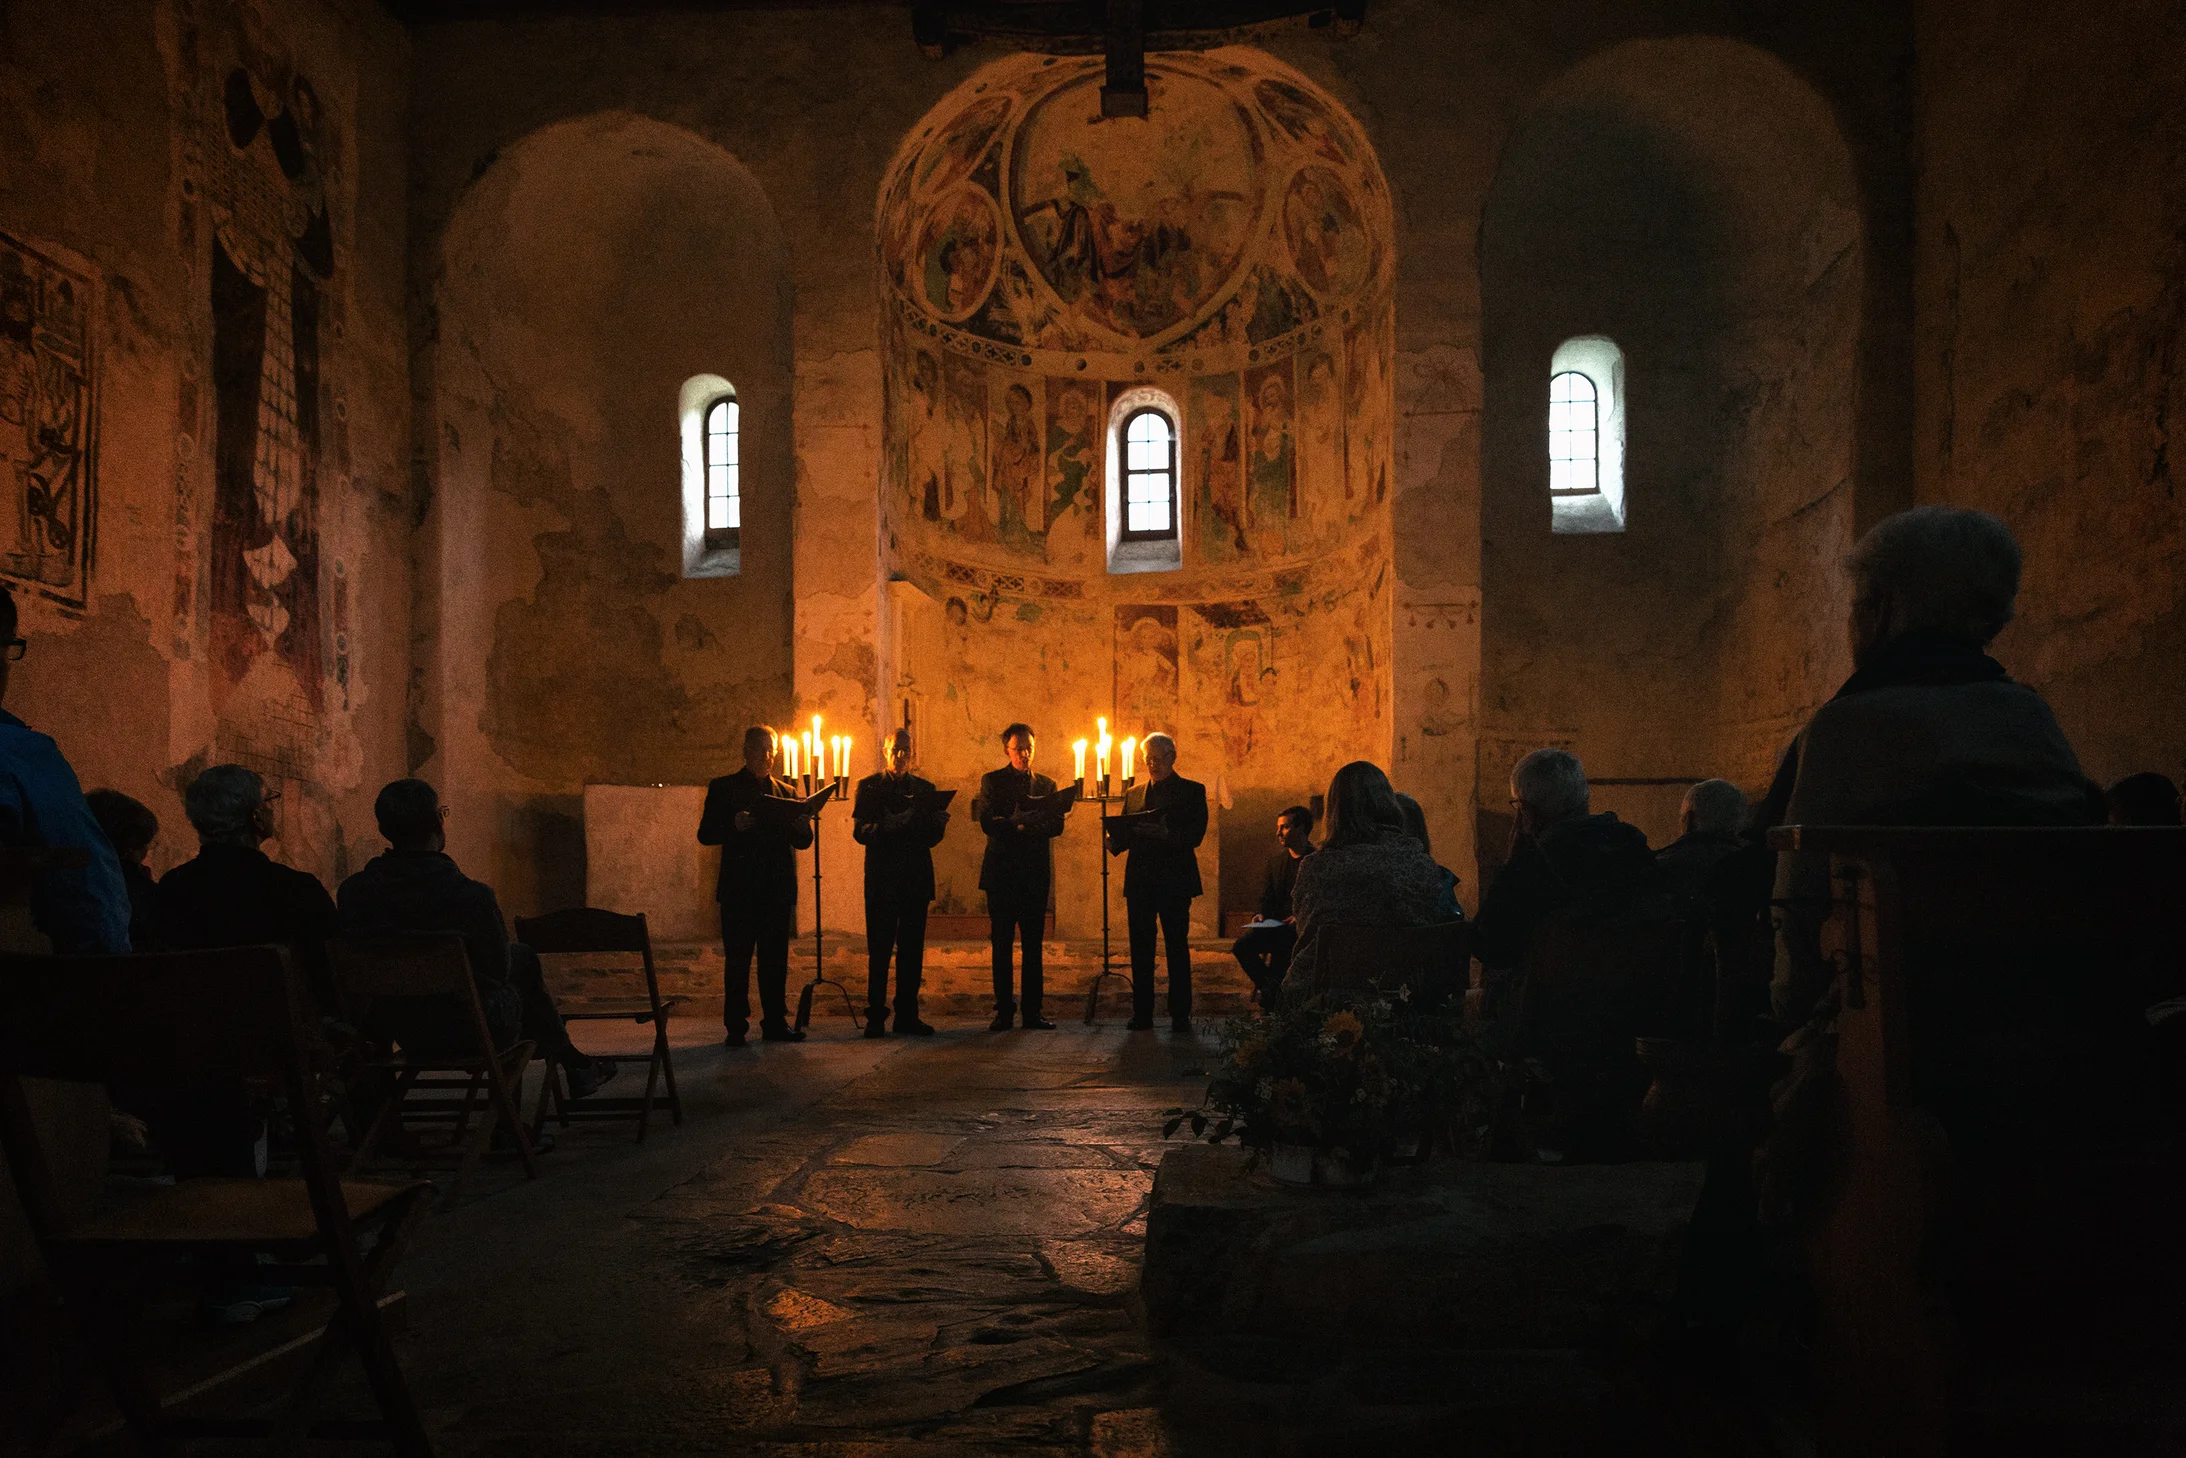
<point x="2001" y="1204"/>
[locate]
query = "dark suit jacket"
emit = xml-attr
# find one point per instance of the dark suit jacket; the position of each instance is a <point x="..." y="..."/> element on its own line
<point x="236" y="896"/>
<point x="424" y="891"/>
<point x="1167" y="870"/>
<point x="899" y="864"/>
<point x="1276" y="887"/>
<point x="1018" y="863"/>
<point x="759" y="865"/>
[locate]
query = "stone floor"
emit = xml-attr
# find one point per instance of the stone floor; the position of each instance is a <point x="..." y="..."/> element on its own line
<point x="914" y="1246"/>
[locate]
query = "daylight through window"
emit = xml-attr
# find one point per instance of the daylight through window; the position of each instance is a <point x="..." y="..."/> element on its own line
<point x="724" y="503"/>
<point x="1149" y="484"/>
<point x="1574" y="435"/>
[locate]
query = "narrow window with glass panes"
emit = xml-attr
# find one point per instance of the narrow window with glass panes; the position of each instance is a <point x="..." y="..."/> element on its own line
<point x="724" y="500"/>
<point x="1149" y="477"/>
<point x="1574" y="435"/>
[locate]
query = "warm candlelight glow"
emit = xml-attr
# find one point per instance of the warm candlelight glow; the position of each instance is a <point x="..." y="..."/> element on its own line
<point x="842" y="770"/>
<point x="1130" y="748"/>
<point x="1078" y="749"/>
<point x="789" y="757"/>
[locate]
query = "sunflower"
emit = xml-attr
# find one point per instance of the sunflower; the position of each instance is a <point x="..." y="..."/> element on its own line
<point x="1344" y="1030"/>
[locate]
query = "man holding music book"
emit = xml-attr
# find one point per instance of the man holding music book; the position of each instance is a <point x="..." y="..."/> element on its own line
<point x="1160" y="830"/>
<point x="1021" y="813"/>
<point x="760" y="824"/>
<point x="899" y="818"/>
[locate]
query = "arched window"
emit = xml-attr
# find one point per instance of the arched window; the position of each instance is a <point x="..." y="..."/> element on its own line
<point x="710" y="421"/>
<point x="1586" y="436"/>
<point x="1574" y="435"/>
<point x="724" y="502"/>
<point x="1149" y="476"/>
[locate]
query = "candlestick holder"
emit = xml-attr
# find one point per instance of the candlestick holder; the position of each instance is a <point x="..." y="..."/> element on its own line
<point x="819" y="953"/>
<point x="1104" y="799"/>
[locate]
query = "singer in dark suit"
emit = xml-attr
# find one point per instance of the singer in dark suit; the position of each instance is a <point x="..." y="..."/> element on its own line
<point x="1160" y="879"/>
<point x="757" y="889"/>
<point x="899" y="846"/>
<point x="1016" y="872"/>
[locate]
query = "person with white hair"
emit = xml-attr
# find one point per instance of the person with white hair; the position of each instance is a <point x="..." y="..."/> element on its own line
<point x="1161" y="880"/>
<point x="1928" y="730"/>
<point x="1563" y="857"/>
<point x="1712" y="819"/>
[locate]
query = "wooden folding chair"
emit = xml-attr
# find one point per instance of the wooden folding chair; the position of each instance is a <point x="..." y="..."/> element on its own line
<point x="1429" y="960"/>
<point x="586" y="931"/>
<point x="175" y="1023"/>
<point x="431" y="1085"/>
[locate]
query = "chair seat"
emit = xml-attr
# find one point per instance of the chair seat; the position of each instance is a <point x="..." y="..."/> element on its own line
<point x="220" y="1211"/>
<point x="637" y="1009"/>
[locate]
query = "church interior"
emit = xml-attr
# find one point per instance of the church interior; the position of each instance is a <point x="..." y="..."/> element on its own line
<point x="1361" y="451"/>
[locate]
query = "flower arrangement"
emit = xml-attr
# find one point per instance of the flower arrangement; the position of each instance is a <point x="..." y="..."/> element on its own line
<point x="1359" y="1077"/>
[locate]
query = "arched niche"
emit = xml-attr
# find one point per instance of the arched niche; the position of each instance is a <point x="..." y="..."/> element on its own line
<point x="591" y="272"/>
<point x="1041" y="268"/>
<point x="1691" y="200"/>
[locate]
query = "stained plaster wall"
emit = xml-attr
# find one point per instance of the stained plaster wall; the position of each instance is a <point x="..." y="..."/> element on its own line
<point x="590" y="270"/>
<point x="814" y="101"/>
<point x="2052" y="343"/>
<point x="1691" y="200"/>
<point x="218" y="623"/>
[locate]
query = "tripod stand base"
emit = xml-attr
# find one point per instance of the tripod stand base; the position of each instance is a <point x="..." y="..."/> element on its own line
<point x="1093" y="993"/>
<point x="804" y="1002"/>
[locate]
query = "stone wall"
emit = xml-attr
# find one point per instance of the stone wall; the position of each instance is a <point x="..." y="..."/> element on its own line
<point x="2052" y="343"/>
<point x="204" y="416"/>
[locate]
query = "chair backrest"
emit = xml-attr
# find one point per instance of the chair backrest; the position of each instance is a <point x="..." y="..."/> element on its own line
<point x="424" y="964"/>
<point x="165" y="1020"/>
<point x="1386" y="957"/>
<point x="1592" y="986"/>
<point x="584" y="929"/>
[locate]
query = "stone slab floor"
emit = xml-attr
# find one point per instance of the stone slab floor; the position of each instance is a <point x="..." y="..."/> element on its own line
<point x="850" y="1247"/>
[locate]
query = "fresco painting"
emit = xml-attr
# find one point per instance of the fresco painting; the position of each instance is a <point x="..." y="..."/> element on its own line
<point x="960" y="145"/>
<point x="966" y="504"/>
<point x="1321" y="228"/>
<point x="1318" y="487"/>
<point x="1305" y="119"/>
<point x="46" y="422"/>
<point x="1073" y="470"/>
<point x="1214" y="434"/>
<point x="958" y="250"/>
<point x="1135" y="235"/>
<point x="1146" y="695"/>
<point x="1271" y="457"/>
<point x="1017" y="472"/>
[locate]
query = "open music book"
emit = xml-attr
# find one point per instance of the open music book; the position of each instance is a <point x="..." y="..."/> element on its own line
<point x="782" y="810"/>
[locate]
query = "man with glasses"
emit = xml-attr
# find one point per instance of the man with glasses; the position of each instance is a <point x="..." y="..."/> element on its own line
<point x="81" y="909"/>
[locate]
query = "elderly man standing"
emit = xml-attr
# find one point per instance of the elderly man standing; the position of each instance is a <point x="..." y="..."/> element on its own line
<point x="899" y="837"/>
<point x="1928" y="730"/>
<point x="1160" y="880"/>
<point x="1563" y="858"/>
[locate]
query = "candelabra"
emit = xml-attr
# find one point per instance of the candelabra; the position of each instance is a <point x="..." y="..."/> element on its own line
<point x="1104" y="792"/>
<point x="816" y="754"/>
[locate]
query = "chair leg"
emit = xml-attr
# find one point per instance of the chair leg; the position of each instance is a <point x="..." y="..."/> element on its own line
<point x="652" y="1080"/>
<point x="390" y="1115"/>
<point x="547" y="1090"/>
<point x="505" y="1103"/>
<point x="474" y="1146"/>
<point x="361" y="1314"/>
<point x="668" y="1071"/>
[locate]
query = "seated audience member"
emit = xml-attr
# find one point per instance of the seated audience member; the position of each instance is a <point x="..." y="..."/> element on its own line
<point x="81" y="909"/>
<point x="2143" y="799"/>
<point x="1369" y="871"/>
<point x="1563" y="859"/>
<point x="130" y="828"/>
<point x="1415" y="825"/>
<point x="1264" y="951"/>
<point x="414" y="886"/>
<point x="1928" y="730"/>
<point x="1712" y="819"/>
<point x="231" y="894"/>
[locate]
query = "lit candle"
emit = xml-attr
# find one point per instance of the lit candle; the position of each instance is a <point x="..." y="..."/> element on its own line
<point x="1078" y="748"/>
<point x="789" y="757"/>
<point x="842" y="771"/>
<point x="1130" y="748"/>
<point x="1100" y="755"/>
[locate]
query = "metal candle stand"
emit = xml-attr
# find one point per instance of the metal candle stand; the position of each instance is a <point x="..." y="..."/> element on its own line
<point x="819" y="956"/>
<point x="1104" y="800"/>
